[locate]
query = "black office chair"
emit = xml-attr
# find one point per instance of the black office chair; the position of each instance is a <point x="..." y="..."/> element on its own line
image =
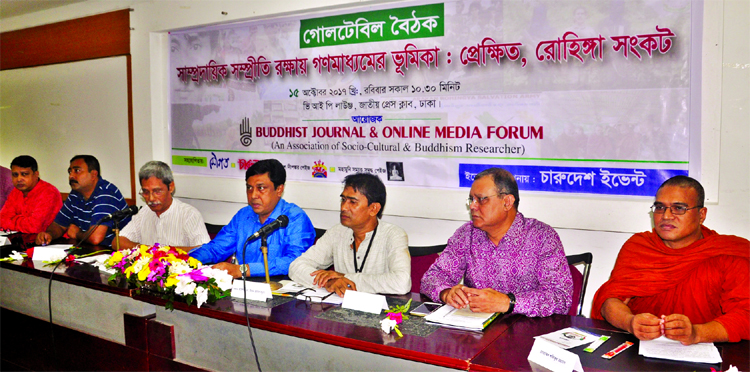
<point x="421" y="260"/>
<point x="319" y="233"/>
<point x="213" y="230"/>
<point x="580" y="281"/>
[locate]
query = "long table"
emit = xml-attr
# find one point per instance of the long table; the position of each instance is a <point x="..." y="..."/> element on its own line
<point x="287" y="337"/>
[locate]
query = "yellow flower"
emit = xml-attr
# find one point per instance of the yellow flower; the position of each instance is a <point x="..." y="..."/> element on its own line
<point x="193" y="262"/>
<point x="115" y="259"/>
<point x="171" y="281"/>
<point x="143" y="274"/>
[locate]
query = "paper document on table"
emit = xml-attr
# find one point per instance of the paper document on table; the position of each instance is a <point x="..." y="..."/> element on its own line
<point x="570" y="337"/>
<point x="289" y="287"/>
<point x="664" y="348"/>
<point x="98" y="261"/>
<point x="320" y="295"/>
<point x="9" y="232"/>
<point x="461" y="318"/>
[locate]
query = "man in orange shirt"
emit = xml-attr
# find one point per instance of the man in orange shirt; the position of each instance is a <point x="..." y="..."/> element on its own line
<point x="33" y="203"/>
<point x="682" y="280"/>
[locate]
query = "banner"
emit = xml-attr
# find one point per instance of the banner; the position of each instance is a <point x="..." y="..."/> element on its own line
<point x="588" y="97"/>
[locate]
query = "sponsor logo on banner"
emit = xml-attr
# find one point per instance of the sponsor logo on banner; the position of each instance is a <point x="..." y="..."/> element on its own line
<point x="244" y="164"/>
<point x="319" y="170"/>
<point x="217" y="162"/>
<point x="246" y="132"/>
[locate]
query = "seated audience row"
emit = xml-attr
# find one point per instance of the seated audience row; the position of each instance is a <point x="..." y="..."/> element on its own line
<point x="683" y="280"/>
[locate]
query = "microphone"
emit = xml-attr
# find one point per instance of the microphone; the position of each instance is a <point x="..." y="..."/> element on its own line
<point x="119" y="215"/>
<point x="280" y="222"/>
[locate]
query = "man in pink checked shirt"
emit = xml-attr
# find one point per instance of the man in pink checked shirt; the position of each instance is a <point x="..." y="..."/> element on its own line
<point x="508" y="263"/>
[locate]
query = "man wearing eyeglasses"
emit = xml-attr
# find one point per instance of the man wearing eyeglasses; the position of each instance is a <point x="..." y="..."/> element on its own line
<point x="682" y="280"/>
<point x="508" y="263"/>
<point x="167" y="221"/>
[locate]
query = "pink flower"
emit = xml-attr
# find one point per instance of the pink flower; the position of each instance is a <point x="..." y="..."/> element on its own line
<point x="398" y="317"/>
<point x="196" y="275"/>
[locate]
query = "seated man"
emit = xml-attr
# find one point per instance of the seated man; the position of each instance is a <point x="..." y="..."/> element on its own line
<point x="91" y="199"/>
<point x="509" y="263"/>
<point x="369" y="255"/>
<point x="168" y="221"/>
<point x="265" y="186"/>
<point x="32" y="205"/>
<point x="681" y="280"/>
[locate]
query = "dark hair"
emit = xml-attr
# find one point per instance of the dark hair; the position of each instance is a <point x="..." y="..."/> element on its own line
<point x="688" y="182"/>
<point x="504" y="182"/>
<point x="273" y="167"/>
<point x="368" y="185"/>
<point x="90" y="161"/>
<point x="25" y="161"/>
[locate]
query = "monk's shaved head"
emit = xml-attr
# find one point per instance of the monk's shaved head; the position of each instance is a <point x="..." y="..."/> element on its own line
<point x="686" y="182"/>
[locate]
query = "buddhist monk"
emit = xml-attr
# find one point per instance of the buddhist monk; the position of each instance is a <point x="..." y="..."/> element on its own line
<point x="682" y="280"/>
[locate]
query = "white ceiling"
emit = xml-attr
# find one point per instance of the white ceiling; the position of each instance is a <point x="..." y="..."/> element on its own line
<point x="12" y="8"/>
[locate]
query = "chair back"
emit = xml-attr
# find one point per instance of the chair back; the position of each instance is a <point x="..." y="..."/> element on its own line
<point x="318" y="234"/>
<point x="421" y="260"/>
<point x="580" y="280"/>
<point x="213" y="230"/>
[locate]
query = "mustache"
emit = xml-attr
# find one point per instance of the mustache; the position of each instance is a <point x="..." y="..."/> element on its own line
<point x="71" y="182"/>
<point x="153" y="204"/>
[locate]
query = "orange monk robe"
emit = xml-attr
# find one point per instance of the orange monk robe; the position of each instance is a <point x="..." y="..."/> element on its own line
<point x="705" y="281"/>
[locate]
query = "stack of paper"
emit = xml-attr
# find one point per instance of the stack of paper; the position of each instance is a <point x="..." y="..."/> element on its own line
<point x="461" y="318"/>
<point x="664" y="348"/>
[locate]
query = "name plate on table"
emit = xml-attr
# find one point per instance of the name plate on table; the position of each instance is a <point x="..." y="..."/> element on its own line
<point x="50" y="253"/>
<point x="367" y="302"/>
<point x="554" y="358"/>
<point x="255" y="291"/>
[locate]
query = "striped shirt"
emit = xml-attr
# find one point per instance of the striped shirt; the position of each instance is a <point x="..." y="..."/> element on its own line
<point x="105" y="199"/>
<point x="179" y="226"/>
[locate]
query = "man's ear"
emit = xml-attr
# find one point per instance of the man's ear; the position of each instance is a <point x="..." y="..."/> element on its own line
<point x="508" y="201"/>
<point x="280" y="190"/>
<point x="374" y="209"/>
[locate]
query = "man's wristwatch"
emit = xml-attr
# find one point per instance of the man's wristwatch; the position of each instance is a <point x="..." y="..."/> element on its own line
<point x="243" y="270"/>
<point x="512" y="304"/>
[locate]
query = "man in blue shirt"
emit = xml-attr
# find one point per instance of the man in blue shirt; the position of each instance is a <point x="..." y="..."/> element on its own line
<point x="91" y="199"/>
<point x="265" y="186"/>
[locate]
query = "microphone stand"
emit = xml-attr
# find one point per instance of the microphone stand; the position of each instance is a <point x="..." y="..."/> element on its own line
<point x="264" y="249"/>
<point x="116" y="229"/>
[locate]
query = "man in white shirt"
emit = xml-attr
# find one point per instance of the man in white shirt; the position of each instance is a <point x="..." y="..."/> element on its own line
<point x="167" y="221"/>
<point x="368" y="255"/>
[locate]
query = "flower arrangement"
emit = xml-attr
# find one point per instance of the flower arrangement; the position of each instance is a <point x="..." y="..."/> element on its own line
<point x="169" y="272"/>
<point x="396" y="315"/>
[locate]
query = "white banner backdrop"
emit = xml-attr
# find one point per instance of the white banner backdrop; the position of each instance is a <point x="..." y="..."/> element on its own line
<point x="573" y="96"/>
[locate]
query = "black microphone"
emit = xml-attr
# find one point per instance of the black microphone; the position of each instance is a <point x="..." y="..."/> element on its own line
<point x="119" y="215"/>
<point x="280" y="222"/>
